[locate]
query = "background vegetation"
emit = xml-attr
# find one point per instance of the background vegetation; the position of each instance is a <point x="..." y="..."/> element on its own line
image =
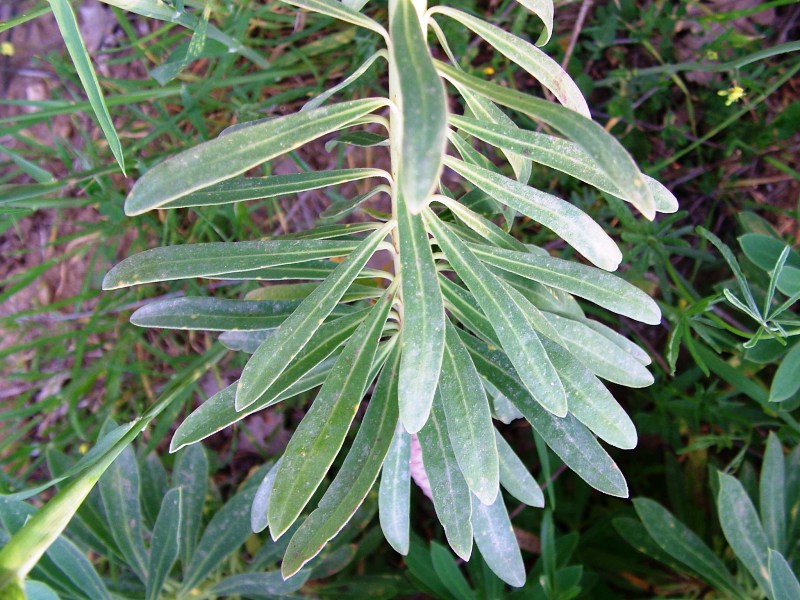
<point x="692" y="91"/>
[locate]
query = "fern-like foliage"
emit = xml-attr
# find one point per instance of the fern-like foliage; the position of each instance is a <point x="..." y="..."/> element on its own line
<point x="470" y="325"/>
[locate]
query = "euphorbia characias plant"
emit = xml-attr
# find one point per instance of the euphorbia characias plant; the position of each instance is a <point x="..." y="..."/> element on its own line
<point x="471" y="324"/>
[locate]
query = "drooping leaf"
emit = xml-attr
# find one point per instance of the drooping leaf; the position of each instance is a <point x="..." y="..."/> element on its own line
<point x="191" y="477"/>
<point x="517" y="337"/>
<point x="772" y="494"/>
<point x="341" y="11"/>
<point x="783" y="581"/>
<point x="394" y="492"/>
<point x="225" y="157"/>
<point x="451" y="496"/>
<point x="165" y="543"/>
<point x="275" y="354"/>
<point x="515" y="477"/>
<point x="356" y="476"/>
<point x="422" y="110"/>
<point x="260" y="506"/>
<point x="544" y="10"/>
<point x="496" y="540"/>
<point x="469" y="420"/>
<point x="320" y="435"/>
<point x="422" y="336"/>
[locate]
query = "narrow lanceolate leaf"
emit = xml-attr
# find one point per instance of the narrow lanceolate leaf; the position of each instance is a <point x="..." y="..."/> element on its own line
<point x="604" y="289"/>
<point x="165" y="543"/>
<point x="394" y="492"/>
<point x="560" y="154"/>
<point x="321" y="433"/>
<point x="191" y="476"/>
<point x="469" y="420"/>
<point x="260" y="506"/>
<point x="230" y="155"/>
<point x="68" y="26"/>
<point x="329" y="93"/>
<point x="772" y="494"/>
<point x="422" y="338"/>
<point x="269" y="584"/>
<point x="119" y="488"/>
<point x="605" y="360"/>
<point x="307" y="371"/>
<point x="536" y="62"/>
<point x="341" y="11"/>
<point x="619" y="340"/>
<point x="422" y="109"/>
<point x="255" y="188"/>
<point x="515" y="477"/>
<point x="743" y="530"/>
<point x="567" y="437"/>
<point x="451" y="496"/>
<point x="496" y="540"/>
<point x="573" y="225"/>
<point x="218" y="258"/>
<point x="544" y="10"/>
<point x="509" y="322"/>
<point x="606" y="151"/>
<point x="682" y="544"/>
<point x="589" y="400"/>
<point x="784" y="582"/>
<point x="275" y="354"/>
<point x="356" y="476"/>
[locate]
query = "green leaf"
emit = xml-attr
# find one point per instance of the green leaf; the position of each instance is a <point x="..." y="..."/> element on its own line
<point x="743" y="530"/>
<point x="772" y="494"/>
<point x="682" y="544"/>
<point x="786" y="381"/>
<point x="275" y="354"/>
<point x="515" y="477"/>
<point x="606" y="151"/>
<point x="188" y="261"/>
<point x="320" y="435"/>
<point x="496" y="540"/>
<point x="355" y="477"/>
<point x="451" y="576"/>
<point x="219" y="411"/>
<point x="165" y="543"/>
<point x="119" y="487"/>
<point x="607" y="361"/>
<point x="619" y="340"/>
<point x="570" y="223"/>
<point x="227" y="530"/>
<point x="394" y="492"/>
<point x="566" y="436"/>
<point x="260" y="506"/>
<point x="469" y="420"/>
<point x="544" y="10"/>
<point x="260" y="585"/>
<point x="68" y="26"/>
<point x="783" y="581"/>
<point x="604" y="289"/>
<point x="324" y="96"/>
<point x="191" y="477"/>
<point x="536" y="62"/>
<point x="451" y="496"/>
<point x="232" y="154"/>
<point x="508" y="320"/>
<point x="219" y="314"/>
<point x="422" y="110"/>
<point x="257" y="188"/>
<point x="422" y="334"/>
<point x="167" y="71"/>
<point x="562" y="155"/>
<point x="339" y="10"/>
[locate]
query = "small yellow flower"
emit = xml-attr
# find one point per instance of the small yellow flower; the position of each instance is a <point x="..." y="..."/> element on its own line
<point x="83" y="448"/>
<point x="6" y="49"/>
<point x="733" y="94"/>
<point x="712" y="55"/>
<point x="488" y="71"/>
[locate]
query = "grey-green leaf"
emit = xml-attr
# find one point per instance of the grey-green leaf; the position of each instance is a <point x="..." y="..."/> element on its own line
<point x="422" y="107"/>
<point x="320" y="435"/>
<point x="275" y="354"/>
<point x="451" y="496"/>
<point x="784" y="582"/>
<point x="394" y="492"/>
<point x="230" y="155"/>
<point x="260" y="507"/>
<point x="519" y="340"/>
<point x="355" y="477"/>
<point x="422" y="336"/>
<point x="515" y="477"/>
<point x="772" y="494"/>
<point x="469" y="420"/>
<point x="191" y="476"/>
<point x="786" y="381"/>
<point x="682" y="544"/>
<point x="165" y="543"/>
<point x="260" y="585"/>
<point x="604" y="289"/>
<point x="743" y="530"/>
<point x="496" y="540"/>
